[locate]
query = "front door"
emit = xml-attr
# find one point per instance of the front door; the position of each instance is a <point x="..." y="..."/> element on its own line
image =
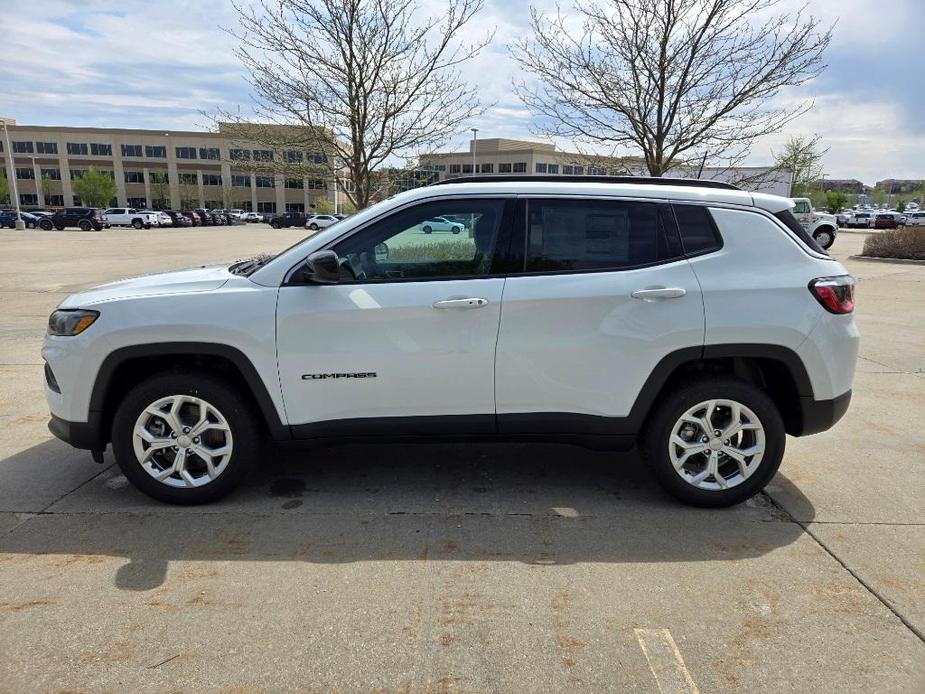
<point x="405" y="343"/>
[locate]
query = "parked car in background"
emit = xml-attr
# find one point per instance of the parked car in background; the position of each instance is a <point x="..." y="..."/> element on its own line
<point x="841" y="219"/>
<point x="252" y="217"/>
<point x="224" y="216"/>
<point x="886" y="220"/>
<point x="861" y="219"/>
<point x="320" y="221"/>
<point x="193" y="217"/>
<point x="821" y="226"/>
<point x="8" y="219"/>
<point x="288" y="219"/>
<point x="83" y="218"/>
<point x="178" y="219"/>
<point x="130" y="217"/>
<point x="205" y="217"/>
<point x="915" y="218"/>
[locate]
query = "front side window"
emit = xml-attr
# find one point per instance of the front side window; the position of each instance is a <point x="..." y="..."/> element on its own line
<point x="802" y="207"/>
<point x="582" y="235"/>
<point x="435" y="240"/>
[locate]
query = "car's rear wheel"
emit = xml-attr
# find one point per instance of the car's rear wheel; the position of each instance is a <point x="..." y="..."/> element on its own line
<point x="426" y="229"/>
<point x="137" y="223"/>
<point x="825" y="237"/>
<point x="185" y="438"/>
<point x="456" y="230"/>
<point x="313" y="227"/>
<point x="59" y="227"/>
<point x="84" y="225"/>
<point x="715" y="442"/>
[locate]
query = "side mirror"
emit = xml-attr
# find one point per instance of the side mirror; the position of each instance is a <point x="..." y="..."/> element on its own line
<point x="321" y="267"/>
<point x="382" y="252"/>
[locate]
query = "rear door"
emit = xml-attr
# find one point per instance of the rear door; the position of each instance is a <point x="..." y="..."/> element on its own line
<point x="605" y="295"/>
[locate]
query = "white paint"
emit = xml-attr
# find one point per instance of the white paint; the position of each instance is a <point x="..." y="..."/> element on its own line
<point x="665" y="662"/>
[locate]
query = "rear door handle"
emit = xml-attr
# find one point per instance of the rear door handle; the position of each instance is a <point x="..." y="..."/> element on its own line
<point x="657" y="293"/>
<point x="471" y="302"/>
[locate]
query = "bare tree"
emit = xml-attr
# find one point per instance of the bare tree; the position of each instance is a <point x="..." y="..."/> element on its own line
<point x="802" y="156"/>
<point x="364" y="81"/>
<point x="683" y="82"/>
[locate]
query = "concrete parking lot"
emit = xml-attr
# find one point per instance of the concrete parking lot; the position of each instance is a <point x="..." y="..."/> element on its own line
<point x="433" y="568"/>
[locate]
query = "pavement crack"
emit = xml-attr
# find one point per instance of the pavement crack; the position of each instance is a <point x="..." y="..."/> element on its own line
<point x="45" y="511"/>
<point x="867" y="586"/>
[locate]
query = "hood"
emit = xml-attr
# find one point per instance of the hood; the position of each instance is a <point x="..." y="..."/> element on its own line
<point x="201" y="279"/>
<point x="823" y="216"/>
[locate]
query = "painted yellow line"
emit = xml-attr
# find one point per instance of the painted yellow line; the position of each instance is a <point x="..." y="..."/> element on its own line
<point x="665" y="662"/>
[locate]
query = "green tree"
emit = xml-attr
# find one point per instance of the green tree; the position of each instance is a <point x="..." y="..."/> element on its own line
<point x="160" y="190"/>
<point x="901" y="206"/>
<point x="4" y="189"/>
<point x="95" y="188"/>
<point x="802" y="156"/>
<point x="835" y="200"/>
<point x="322" y="206"/>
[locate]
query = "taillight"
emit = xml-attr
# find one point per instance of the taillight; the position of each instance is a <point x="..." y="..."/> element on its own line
<point x="836" y="294"/>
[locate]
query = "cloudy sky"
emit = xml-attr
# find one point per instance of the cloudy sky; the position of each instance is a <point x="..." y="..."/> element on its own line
<point x="159" y="64"/>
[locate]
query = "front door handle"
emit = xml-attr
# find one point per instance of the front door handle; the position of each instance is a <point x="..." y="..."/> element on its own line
<point x="471" y="302"/>
<point x="657" y="293"/>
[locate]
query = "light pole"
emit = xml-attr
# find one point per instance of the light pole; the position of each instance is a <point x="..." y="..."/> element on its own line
<point x="39" y="190"/>
<point x="475" y="141"/>
<point x="20" y="225"/>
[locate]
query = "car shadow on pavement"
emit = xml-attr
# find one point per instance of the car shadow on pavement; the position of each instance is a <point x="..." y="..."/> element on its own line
<point x="538" y="504"/>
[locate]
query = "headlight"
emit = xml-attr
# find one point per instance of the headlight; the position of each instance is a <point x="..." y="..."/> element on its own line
<point x="69" y="322"/>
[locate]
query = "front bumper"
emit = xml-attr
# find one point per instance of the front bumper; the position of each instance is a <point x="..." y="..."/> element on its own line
<point x="85" y="435"/>
<point x="820" y="415"/>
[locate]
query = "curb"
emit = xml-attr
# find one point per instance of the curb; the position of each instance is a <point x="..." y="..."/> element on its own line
<point x="877" y="259"/>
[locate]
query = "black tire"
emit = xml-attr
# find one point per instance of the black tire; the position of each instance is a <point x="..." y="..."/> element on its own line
<point x="313" y="227"/>
<point x="274" y="225"/>
<point x="456" y="230"/>
<point x="667" y="412"/>
<point x="84" y="225"/>
<point x="137" y="223"/>
<point x="825" y="237"/>
<point x="426" y="230"/>
<point x="59" y="228"/>
<point x="245" y="430"/>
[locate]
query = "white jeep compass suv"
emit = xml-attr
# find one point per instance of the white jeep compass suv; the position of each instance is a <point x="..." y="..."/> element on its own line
<point x="699" y="320"/>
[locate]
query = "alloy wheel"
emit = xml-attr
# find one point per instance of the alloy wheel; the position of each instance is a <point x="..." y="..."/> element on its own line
<point x="182" y="441"/>
<point x="716" y="444"/>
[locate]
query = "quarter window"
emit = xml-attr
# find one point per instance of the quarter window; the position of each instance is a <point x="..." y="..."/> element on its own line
<point x="580" y="235"/>
<point x="430" y="241"/>
<point x="698" y="232"/>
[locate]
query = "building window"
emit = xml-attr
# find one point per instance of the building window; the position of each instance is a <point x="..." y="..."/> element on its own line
<point x="100" y="150"/>
<point x="295" y="207"/>
<point x="28" y="199"/>
<point x="266" y="207"/>
<point x="540" y="168"/>
<point x="52" y="174"/>
<point x="239" y="154"/>
<point x="295" y="183"/>
<point x="244" y="205"/>
<point x="317" y="184"/>
<point x="25" y="172"/>
<point x="187" y="204"/>
<point x="210" y="153"/>
<point x="520" y="167"/>
<point x="78" y="148"/>
<point x="265" y="181"/>
<point x="292" y="157"/>
<point x="596" y="171"/>
<point x="579" y="171"/>
<point x="319" y="158"/>
<point x="213" y="204"/>
<point x="553" y="168"/>
<point x="504" y="168"/>
<point x="138" y="203"/>
<point x="134" y="177"/>
<point x="54" y="200"/>
<point x="77" y="173"/>
<point x="186" y="152"/>
<point x="22" y="147"/>
<point x="240" y="181"/>
<point x="131" y="150"/>
<point x="467" y="168"/>
<point x="156" y="151"/>
<point x="159" y="177"/>
<point x="263" y="155"/>
<point x="455" y="168"/>
<point x="189" y="179"/>
<point x="211" y="179"/>
<point x="485" y="168"/>
<point x="568" y="169"/>
<point x="47" y="147"/>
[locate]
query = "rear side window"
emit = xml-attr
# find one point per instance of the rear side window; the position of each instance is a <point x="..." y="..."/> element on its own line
<point x="581" y="235"/>
<point x="791" y="223"/>
<point x="697" y="229"/>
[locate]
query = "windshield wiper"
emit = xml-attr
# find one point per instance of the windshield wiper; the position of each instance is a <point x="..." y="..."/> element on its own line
<point x="246" y="267"/>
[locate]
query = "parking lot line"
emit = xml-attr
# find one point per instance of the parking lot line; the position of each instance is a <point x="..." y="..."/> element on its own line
<point x="665" y="662"/>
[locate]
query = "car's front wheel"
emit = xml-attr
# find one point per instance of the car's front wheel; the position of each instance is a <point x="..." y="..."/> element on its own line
<point x="185" y="438"/>
<point x="84" y="225"/>
<point x="825" y="237"/>
<point x="715" y="442"/>
<point x="313" y="227"/>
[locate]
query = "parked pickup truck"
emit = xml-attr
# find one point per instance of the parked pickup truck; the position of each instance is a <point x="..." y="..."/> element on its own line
<point x="822" y="227"/>
<point x="130" y="217"/>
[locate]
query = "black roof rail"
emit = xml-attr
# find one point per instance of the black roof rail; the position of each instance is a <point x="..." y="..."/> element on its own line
<point x="566" y="178"/>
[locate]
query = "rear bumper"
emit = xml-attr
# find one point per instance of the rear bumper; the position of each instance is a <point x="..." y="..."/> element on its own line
<point x="85" y="435"/>
<point x="820" y="415"/>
